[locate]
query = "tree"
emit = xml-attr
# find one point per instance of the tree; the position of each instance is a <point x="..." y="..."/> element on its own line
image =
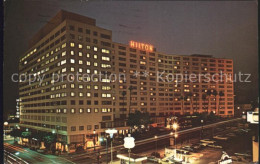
<point x="16" y="133"/>
<point x="190" y="96"/>
<point x="48" y="139"/>
<point x="221" y="93"/>
<point x="123" y="94"/>
<point x="208" y="93"/>
<point x="215" y="93"/>
<point x="204" y="98"/>
<point x="138" y="119"/>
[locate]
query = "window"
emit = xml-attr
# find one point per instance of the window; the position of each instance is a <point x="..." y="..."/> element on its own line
<point x="72" y="44"/>
<point x="96" y="110"/>
<point x="105" y="51"/>
<point x="88" y="94"/>
<point x="80" y="45"/>
<point x="81" y="94"/>
<point x="96" y="127"/>
<point x="81" y="128"/>
<point x="81" y="110"/>
<point x="72" y="61"/>
<point x="73" y="128"/>
<point x="72" y="85"/>
<point x="89" y="127"/>
<point x="95" y="49"/>
<point x="72" y="110"/>
<point x="88" y="110"/>
<point x="80" y="62"/>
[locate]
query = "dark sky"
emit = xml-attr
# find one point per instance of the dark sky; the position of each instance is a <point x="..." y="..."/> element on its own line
<point x="225" y="29"/>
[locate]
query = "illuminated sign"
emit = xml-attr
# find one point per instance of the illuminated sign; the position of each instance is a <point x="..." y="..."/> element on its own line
<point x="141" y="46"/>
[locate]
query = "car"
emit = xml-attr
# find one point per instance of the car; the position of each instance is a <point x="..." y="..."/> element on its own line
<point x="188" y="148"/>
<point x="230" y="135"/>
<point x="196" y="146"/>
<point x="215" y="146"/>
<point x="220" y="137"/>
<point x="207" y="141"/>
<point x="153" y="159"/>
<point x="204" y="144"/>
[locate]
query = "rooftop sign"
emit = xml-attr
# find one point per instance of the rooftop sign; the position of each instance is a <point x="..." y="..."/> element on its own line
<point x="141" y="46"/>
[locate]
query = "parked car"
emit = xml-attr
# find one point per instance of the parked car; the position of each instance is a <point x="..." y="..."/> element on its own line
<point x="231" y="135"/>
<point x="215" y="146"/>
<point x="188" y="148"/>
<point x="153" y="159"/>
<point x="220" y="137"/>
<point x="207" y="141"/>
<point x="196" y="146"/>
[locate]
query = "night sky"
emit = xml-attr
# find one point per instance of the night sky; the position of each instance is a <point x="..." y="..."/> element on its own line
<point x="225" y="29"/>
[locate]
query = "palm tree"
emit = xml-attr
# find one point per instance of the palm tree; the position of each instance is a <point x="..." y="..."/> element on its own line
<point x="190" y="95"/>
<point x="130" y="89"/>
<point x="196" y="96"/>
<point x="123" y="94"/>
<point x="215" y="93"/>
<point x="208" y="93"/>
<point x="221" y="93"/>
<point x="204" y="98"/>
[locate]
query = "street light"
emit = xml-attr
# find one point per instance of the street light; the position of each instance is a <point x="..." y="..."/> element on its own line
<point x="156" y="142"/>
<point x="201" y="133"/>
<point x="5" y="125"/>
<point x="105" y="139"/>
<point x="94" y="140"/>
<point x="111" y="132"/>
<point x="129" y="143"/>
<point x="175" y="138"/>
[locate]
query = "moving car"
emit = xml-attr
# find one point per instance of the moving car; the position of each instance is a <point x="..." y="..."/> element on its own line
<point x="188" y="148"/>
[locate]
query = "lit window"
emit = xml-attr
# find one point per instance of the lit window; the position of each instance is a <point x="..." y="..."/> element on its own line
<point x="72" y="44"/>
<point x="95" y="56"/>
<point x="72" y="94"/>
<point x="72" y="110"/>
<point x="88" y="94"/>
<point x="80" y="62"/>
<point x="88" y="55"/>
<point x="88" y="110"/>
<point x="88" y="70"/>
<point x="63" y="45"/>
<point x="88" y="87"/>
<point x="95" y="64"/>
<point x="105" y="58"/>
<point x="72" y="85"/>
<point x="80" y="86"/>
<point x="72" y="53"/>
<point x="72" y="69"/>
<point x="88" y="62"/>
<point x="95" y="49"/>
<point x="80" y="54"/>
<point x="80" y="70"/>
<point x="95" y="71"/>
<point x="80" y="45"/>
<point x="81" y="94"/>
<point x="105" y="51"/>
<point x="81" y="110"/>
<point x="88" y="47"/>
<point x="63" y="62"/>
<point x="96" y="110"/>
<point x="72" y="61"/>
<point x="63" y="70"/>
<point x="96" y="87"/>
<point x="63" y="53"/>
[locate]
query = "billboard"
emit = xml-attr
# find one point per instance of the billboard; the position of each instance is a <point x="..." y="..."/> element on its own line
<point x="253" y="117"/>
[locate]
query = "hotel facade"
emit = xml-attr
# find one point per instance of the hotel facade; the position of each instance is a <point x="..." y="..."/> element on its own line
<point x="58" y="96"/>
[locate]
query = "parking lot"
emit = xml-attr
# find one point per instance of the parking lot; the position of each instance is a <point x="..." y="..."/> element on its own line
<point x="210" y="150"/>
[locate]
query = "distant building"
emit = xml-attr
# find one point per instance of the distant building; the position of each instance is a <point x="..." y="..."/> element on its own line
<point x="70" y="43"/>
<point x="240" y="108"/>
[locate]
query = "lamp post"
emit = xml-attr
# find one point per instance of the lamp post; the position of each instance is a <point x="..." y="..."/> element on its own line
<point x="201" y="133"/>
<point x="5" y="125"/>
<point x="111" y="132"/>
<point x="94" y="140"/>
<point x="105" y="139"/>
<point x="175" y="127"/>
<point x="155" y="143"/>
<point x="129" y="143"/>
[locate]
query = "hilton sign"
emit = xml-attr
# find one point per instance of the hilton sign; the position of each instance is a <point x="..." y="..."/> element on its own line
<point x="141" y="46"/>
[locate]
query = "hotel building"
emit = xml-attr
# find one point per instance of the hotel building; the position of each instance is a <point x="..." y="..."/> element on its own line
<point x="75" y="106"/>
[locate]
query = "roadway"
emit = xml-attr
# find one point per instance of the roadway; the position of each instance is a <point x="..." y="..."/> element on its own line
<point x="30" y="156"/>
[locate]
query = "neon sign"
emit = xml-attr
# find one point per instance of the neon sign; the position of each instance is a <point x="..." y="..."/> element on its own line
<point x="141" y="46"/>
